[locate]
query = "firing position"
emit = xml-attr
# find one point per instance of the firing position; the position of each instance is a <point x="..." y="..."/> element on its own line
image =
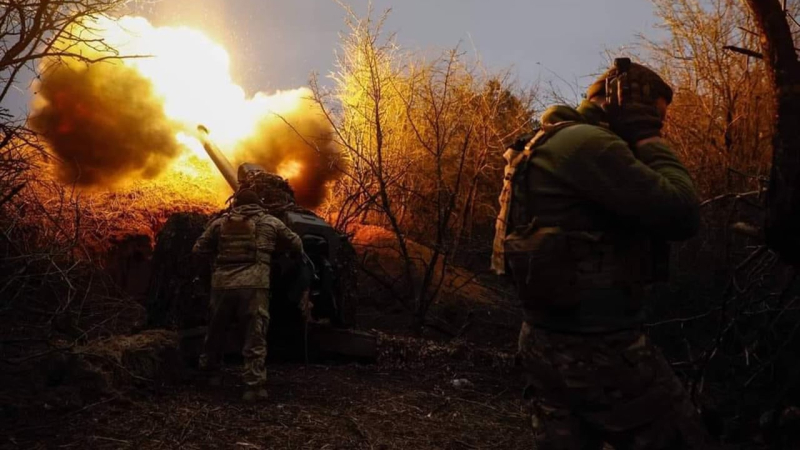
<point x="587" y="208"/>
<point x="242" y="242"/>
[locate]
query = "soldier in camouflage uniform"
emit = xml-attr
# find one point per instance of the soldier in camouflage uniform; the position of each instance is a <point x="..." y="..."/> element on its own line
<point x="587" y="207"/>
<point x="243" y="241"/>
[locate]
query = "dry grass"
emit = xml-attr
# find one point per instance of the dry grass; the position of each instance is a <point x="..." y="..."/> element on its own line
<point x="470" y="306"/>
<point x="310" y="407"/>
<point x="142" y="207"/>
<point x="56" y="249"/>
<point x="148" y="357"/>
<point x="380" y="254"/>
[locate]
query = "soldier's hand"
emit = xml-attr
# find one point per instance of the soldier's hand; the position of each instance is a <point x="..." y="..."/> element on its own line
<point x="635" y="122"/>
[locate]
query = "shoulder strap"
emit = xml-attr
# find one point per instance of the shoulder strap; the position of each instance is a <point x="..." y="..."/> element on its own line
<point x="516" y="160"/>
<point x="545" y="132"/>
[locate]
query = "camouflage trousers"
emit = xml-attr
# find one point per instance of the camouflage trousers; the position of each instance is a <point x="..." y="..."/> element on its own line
<point x="616" y="388"/>
<point x="249" y="309"/>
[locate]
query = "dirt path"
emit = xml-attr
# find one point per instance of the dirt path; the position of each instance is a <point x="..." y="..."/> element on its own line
<point x="310" y="407"/>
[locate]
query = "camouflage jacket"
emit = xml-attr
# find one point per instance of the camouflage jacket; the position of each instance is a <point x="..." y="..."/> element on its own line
<point x="271" y="235"/>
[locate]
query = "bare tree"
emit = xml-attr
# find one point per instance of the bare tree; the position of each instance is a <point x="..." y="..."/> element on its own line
<point x="31" y="30"/>
<point x="721" y="108"/>
<point x="425" y="138"/>
<point x="722" y="121"/>
<point x="732" y="96"/>
<point x="45" y="270"/>
<point x="780" y="55"/>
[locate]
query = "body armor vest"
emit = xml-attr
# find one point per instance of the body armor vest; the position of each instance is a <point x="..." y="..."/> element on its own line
<point x="587" y="279"/>
<point x="513" y="197"/>
<point x="238" y="241"/>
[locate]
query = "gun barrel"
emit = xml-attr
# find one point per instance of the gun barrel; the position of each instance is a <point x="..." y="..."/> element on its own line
<point x="219" y="159"/>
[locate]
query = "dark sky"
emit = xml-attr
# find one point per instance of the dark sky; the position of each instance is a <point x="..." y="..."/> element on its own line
<point x="276" y="44"/>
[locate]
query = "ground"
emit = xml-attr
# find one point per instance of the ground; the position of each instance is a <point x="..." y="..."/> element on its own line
<point x="453" y="387"/>
<point x="345" y="406"/>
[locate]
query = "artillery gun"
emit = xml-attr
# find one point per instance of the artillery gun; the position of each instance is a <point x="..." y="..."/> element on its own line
<point x="179" y="289"/>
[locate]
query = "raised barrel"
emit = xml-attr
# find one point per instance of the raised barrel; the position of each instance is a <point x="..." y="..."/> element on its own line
<point x="219" y="159"/>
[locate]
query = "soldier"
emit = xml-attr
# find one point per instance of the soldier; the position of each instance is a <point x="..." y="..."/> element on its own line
<point x="586" y="210"/>
<point x="243" y="241"/>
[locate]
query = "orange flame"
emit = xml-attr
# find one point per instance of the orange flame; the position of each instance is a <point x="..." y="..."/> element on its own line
<point x="290" y="169"/>
<point x="189" y="75"/>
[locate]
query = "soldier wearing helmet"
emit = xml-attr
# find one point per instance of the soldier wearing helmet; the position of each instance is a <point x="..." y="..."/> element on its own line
<point x="242" y="242"/>
<point x="588" y="205"/>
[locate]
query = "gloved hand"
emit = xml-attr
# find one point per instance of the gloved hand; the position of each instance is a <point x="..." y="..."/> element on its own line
<point x="635" y="121"/>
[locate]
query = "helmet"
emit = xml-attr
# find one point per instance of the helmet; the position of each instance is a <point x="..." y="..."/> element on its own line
<point x="643" y="78"/>
<point x="246" y="197"/>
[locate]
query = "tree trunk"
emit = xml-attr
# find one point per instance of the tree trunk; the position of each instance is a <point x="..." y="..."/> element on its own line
<point x="782" y="224"/>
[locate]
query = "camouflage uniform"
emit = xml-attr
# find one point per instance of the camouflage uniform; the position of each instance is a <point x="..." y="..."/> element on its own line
<point x="616" y="388"/>
<point x="586" y="213"/>
<point x="243" y="241"/>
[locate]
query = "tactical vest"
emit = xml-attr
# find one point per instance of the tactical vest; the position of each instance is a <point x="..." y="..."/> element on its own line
<point x="514" y="196"/>
<point x="577" y="280"/>
<point x="238" y="241"/>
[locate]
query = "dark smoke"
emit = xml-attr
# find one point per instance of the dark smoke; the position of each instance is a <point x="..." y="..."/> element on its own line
<point x="302" y="134"/>
<point x="104" y="122"/>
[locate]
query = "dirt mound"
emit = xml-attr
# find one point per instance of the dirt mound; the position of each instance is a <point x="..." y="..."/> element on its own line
<point x="477" y="307"/>
<point x="179" y="285"/>
<point x="70" y="378"/>
<point x="151" y="356"/>
<point x="380" y="254"/>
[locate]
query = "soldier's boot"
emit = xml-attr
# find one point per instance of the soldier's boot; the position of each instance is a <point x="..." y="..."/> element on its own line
<point x="255" y="394"/>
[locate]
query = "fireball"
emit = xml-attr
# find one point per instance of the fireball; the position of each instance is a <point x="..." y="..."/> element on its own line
<point x="289" y="169"/>
<point x="134" y="118"/>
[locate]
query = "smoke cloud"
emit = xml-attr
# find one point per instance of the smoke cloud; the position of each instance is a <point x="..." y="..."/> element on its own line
<point x="104" y="123"/>
<point x="296" y="142"/>
<point x="132" y="118"/>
